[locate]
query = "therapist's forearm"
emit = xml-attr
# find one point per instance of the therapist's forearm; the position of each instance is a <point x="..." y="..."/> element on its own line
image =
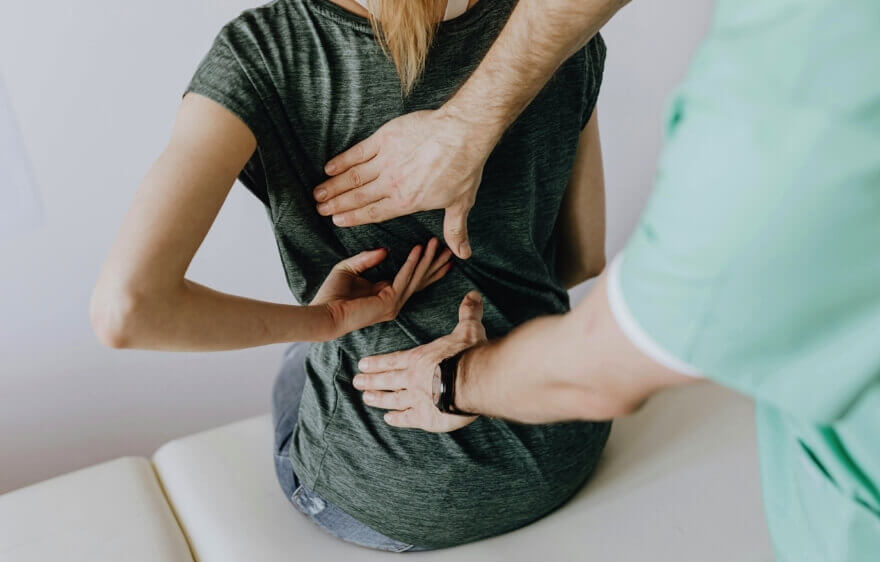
<point x="537" y="38"/>
<point x="567" y="367"/>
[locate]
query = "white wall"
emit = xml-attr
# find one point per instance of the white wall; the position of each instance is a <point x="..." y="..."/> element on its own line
<point x="95" y="85"/>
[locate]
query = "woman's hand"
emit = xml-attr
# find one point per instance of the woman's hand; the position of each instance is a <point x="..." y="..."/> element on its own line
<point x="417" y="162"/>
<point x="353" y="302"/>
<point x="402" y="381"/>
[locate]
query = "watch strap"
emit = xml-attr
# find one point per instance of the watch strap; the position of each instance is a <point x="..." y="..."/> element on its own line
<point x="448" y="379"/>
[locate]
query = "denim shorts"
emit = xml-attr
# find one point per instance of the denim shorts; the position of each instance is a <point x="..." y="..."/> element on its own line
<point x="286" y="395"/>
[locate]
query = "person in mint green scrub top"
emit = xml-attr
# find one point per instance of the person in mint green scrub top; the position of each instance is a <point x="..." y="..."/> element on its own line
<point x="756" y="263"/>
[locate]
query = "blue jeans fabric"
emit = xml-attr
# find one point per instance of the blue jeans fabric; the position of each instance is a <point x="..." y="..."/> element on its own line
<point x="286" y="394"/>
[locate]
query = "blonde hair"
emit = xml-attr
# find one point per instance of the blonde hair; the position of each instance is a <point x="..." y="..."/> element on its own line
<point x="405" y="30"/>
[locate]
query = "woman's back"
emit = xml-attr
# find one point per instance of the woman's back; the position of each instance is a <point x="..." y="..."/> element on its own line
<point x="310" y="80"/>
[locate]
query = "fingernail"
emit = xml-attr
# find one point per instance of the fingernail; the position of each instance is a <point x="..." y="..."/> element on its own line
<point x="330" y="168"/>
<point x="387" y="418"/>
<point x="321" y="194"/>
<point x="362" y="365"/>
<point x="358" y="381"/>
<point x="338" y="220"/>
<point x="368" y="397"/>
<point x="322" y="208"/>
<point x="465" y="249"/>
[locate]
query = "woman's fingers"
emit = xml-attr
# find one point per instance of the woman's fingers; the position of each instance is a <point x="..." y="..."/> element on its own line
<point x="437" y="275"/>
<point x="403" y="277"/>
<point x="424" y="265"/>
<point x="379" y="287"/>
<point x="363" y="261"/>
<point x="440" y="261"/>
<point x="431" y="268"/>
<point x="440" y="267"/>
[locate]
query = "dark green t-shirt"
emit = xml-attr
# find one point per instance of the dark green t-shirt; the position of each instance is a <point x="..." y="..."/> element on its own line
<point x="309" y="80"/>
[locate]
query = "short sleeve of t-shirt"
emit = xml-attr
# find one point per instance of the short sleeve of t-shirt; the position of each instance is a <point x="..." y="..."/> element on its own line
<point x="227" y="77"/>
<point x="755" y="262"/>
<point x="231" y="74"/>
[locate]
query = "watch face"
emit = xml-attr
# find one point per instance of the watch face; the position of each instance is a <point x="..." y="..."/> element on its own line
<point x="436" y="386"/>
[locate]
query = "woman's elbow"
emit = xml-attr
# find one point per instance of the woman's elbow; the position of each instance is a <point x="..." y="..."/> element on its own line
<point x="595" y="266"/>
<point x="112" y="313"/>
<point x="584" y="271"/>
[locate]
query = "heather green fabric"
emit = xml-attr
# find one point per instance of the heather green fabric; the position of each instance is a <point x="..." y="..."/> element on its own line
<point x="309" y="80"/>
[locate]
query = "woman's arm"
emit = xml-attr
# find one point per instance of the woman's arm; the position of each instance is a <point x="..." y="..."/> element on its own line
<point x="142" y="299"/>
<point x="581" y="226"/>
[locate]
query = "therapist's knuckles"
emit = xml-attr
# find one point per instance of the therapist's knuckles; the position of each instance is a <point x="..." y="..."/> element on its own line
<point x="389" y="400"/>
<point x="470" y="333"/>
<point x="357" y="154"/>
<point x="384" y="381"/>
<point x="404" y="199"/>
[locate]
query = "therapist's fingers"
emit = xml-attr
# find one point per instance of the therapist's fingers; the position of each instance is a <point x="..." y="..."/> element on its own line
<point x="357" y="154"/>
<point x="428" y="418"/>
<point x="351" y="200"/>
<point x="405" y="419"/>
<point x="380" y="211"/>
<point x="387" y="362"/>
<point x="396" y="400"/>
<point x="455" y="229"/>
<point x="394" y="380"/>
<point x="353" y="180"/>
<point x="471" y="308"/>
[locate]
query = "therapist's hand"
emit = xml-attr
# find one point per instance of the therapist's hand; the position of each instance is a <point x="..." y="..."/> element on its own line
<point x="417" y="162"/>
<point x="402" y="381"/>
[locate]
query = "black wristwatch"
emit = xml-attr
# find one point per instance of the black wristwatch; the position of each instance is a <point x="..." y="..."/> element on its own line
<point x="443" y="385"/>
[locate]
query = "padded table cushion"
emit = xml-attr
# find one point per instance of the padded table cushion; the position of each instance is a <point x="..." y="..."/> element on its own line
<point x="679" y="481"/>
<point x="111" y="512"/>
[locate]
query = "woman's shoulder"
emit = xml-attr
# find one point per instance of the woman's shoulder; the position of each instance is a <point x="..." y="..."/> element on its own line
<point x="258" y="27"/>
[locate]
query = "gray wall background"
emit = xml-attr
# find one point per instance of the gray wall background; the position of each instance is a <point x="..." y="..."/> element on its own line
<point x="95" y="85"/>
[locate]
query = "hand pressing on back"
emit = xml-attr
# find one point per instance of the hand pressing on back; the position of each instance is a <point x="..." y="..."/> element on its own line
<point x="402" y="382"/>
<point x="415" y="162"/>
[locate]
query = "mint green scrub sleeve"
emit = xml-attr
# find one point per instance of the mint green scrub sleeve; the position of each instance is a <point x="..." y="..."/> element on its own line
<point x="756" y="262"/>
